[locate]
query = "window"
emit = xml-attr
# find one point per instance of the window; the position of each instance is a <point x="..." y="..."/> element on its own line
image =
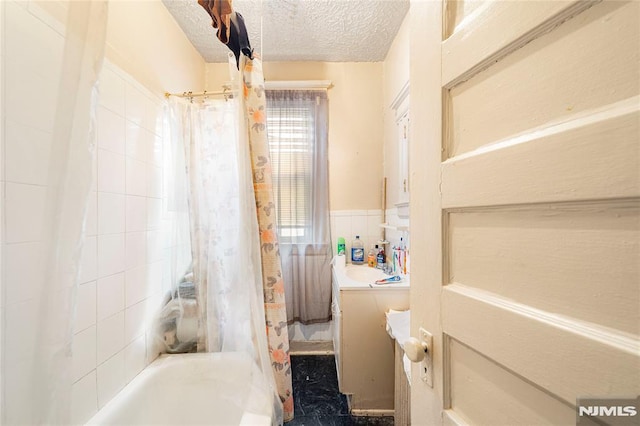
<point x="292" y="129"/>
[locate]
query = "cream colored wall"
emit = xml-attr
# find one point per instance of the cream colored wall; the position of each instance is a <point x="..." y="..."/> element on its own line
<point x="395" y="75"/>
<point x="355" y="124"/>
<point x="144" y="40"/>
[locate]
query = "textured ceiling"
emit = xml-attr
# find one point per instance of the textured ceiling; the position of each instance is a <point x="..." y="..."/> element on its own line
<point x="300" y="30"/>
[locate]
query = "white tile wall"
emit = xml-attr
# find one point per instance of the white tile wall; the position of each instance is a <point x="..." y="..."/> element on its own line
<point x="136" y="213"/>
<point x="111" y="172"/>
<point x="84" y="398"/>
<point x="128" y="218"/>
<point x="84" y="352"/>
<point x="134" y="358"/>
<point x="111" y="213"/>
<point x="86" y="308"/>
<point x="110" y="337"/>
<point x="29" y="161"/>
<point x="110" y="296"/>
<point x="393" y="236"/>
<point x="92" y="214"/>
<point x="349" y="223"/>
<point x="111" y="130"/>
<point x="136" y="249"/>
<point x="135" y="287"/>
<point x="24" y="204"/>
<point x="111" y="252"/>
<point x="111" y="378"/>
<point x="366" y="223"/>
<point x="136" y="182"/>
<point x="89" y="260"/>
<point x="23" y="275"/>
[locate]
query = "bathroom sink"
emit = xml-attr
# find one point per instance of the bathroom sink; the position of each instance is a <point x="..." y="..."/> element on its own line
<point x="365" y="274"/>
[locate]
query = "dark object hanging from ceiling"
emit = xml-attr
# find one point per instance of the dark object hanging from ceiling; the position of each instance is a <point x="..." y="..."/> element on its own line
<point x="230" y="25"/>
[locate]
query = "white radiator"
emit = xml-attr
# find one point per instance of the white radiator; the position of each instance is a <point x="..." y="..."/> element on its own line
<point x="402" y="391"/>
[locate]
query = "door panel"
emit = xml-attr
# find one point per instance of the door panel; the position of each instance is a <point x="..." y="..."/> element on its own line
<point x="583" y="64"/>
<point x="520" y="403"/>
<point x="471" y="42"/>
<point x="548" y="164"/>
<point x="551" y="351"/>
<point x="529" y="207"/>
<point x="571" y="260"/>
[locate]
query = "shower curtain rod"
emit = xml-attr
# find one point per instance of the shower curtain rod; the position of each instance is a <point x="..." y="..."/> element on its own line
<point x="226" y="93"/>
<point x="269" y="85"/>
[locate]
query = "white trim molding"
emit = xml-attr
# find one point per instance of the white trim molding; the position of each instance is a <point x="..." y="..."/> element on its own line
<point x="298" y="85"/>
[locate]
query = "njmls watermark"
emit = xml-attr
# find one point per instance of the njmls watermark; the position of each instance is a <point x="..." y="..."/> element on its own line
<point x="608" y="411"/>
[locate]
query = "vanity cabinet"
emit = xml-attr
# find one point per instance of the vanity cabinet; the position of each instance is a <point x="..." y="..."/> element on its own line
<point x="364" y="350"/>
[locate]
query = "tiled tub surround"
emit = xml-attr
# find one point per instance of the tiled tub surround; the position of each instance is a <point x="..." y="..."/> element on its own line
<point x="123" y="257"/>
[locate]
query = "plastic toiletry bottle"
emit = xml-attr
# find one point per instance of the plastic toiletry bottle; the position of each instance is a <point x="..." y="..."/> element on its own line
<point x="341" y="246"/>
<point x="371" y="258"/>
<point x="357" y="251"/>
<point x="381" y="259"/>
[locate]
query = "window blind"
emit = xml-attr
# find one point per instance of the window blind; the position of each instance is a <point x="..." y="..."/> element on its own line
<point x="291" y="131"/>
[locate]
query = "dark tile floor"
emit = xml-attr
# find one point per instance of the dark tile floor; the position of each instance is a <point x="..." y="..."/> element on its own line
<point x="318" y="402"/>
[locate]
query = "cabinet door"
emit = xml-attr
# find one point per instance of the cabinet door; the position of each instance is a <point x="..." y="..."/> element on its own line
<point x="337" y="334"/>
<point x="403" y="146"/>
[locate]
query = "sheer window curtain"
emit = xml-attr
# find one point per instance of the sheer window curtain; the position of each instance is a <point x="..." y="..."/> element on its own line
<point x="297" y="125"/>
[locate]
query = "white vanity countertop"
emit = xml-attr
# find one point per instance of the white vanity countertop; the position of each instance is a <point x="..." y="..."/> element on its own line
<point x="363" y="277"/>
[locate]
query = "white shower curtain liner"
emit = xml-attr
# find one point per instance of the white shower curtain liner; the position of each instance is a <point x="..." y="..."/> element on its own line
<point x="43" y="364"/>
<point x="212" y="188"/>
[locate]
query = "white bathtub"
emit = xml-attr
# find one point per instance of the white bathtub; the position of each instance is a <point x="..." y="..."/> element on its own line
<point x="193" y="389"/>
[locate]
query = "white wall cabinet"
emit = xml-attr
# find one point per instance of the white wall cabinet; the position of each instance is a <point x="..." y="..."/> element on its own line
<point x="403" y="155"/>
<point x="400" y="107"/>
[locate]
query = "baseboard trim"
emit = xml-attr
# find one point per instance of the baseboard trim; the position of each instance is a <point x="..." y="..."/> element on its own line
<point x="311" y="347"/>
<point x="360" y="412"/>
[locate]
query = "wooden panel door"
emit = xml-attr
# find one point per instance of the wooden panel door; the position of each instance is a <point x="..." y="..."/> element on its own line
<point x="525" y="207"/>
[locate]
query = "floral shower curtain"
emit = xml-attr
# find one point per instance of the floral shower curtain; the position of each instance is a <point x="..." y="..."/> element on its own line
<point x="274" y="297"/>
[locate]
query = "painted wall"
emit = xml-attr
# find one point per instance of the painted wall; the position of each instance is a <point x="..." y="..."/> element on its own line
<point x="396" y="74"/>
<point x="355" y="124"/>
<point x="123" y="259"/>
<point x="144" y="40"/>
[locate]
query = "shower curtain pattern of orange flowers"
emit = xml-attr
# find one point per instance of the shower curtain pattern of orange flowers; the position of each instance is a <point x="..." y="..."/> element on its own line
<point x="274" y="297"/>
